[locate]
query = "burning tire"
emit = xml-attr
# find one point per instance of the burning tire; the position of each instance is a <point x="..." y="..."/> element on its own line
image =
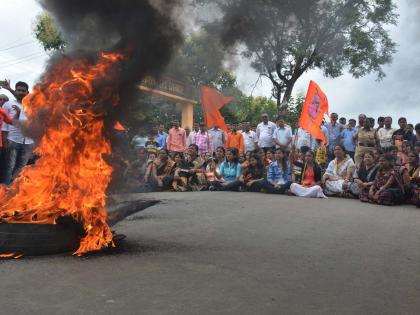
<point x="40" y="239"/>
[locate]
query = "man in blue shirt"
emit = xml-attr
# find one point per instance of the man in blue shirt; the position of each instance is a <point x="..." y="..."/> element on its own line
<point x="334" y="131"/>
<point x="347" y="138"/>
<point x="161" y="136"/>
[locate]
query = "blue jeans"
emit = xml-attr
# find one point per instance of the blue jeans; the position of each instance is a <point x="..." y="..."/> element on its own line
<point x="269" y="188"/>
<point x="16" y="158"/>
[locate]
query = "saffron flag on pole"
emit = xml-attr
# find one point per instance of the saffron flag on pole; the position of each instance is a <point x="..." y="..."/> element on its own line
<point x="313" y="111"/>
<point x="212" y="101"/>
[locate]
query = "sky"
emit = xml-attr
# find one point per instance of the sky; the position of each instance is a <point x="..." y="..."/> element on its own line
<point x="23" y="58"/>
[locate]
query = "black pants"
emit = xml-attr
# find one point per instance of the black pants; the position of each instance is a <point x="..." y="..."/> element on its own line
<point x="232" y="186"/>
<point x="255" y="187"/>
<point x="269" y="188"/>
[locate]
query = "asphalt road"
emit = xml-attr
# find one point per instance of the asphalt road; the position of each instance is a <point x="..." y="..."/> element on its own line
<point x="234" y="253"/>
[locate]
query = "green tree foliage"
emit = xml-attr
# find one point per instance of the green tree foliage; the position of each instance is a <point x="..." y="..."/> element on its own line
<point x="47" y="33"/>
<point x="285" y="38"/>
<point x="200" y="61"/>
<point x="250" y="108"/>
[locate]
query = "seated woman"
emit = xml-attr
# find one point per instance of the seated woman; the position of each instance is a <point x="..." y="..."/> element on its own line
<point x="309" y="184"/>
<point x="162" y="171"/>
<point x="338" y="177"/>
<point x="413" y="169"/>
<point x="245" y="163"/>
<point x="269" y="155"/>
<point x="279" y="176"/>
<point x="297" y="161"/>
<point x="253" y="176"/>
<point x="366" y="175"/>
<point x="151" y="158"/>
<point x="184" y="170"/>
<point x="388" y="187"/>
<point x="198" y="181"/>
<point x="219" y="157"/>
<point x="214" y="163"/>
<point x="263" y="158"/>
<point x="229" y="173"/>
<point x="135" y="171"/>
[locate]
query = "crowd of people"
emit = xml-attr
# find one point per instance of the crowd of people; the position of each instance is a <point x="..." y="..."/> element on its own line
<point x="356" y="159"/>
<point x="377" y="164"/>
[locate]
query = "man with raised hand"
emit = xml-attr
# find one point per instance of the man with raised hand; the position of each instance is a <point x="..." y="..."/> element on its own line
<point x="18" y="147"/>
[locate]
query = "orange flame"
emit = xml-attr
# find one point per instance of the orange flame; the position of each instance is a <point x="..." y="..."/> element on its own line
<point x="71" y="176"/>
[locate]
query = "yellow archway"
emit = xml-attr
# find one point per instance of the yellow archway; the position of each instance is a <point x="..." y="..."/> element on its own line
<point x="174" y="91"/>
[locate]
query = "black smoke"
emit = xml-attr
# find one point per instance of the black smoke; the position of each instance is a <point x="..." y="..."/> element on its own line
<point x="144" y="30"/>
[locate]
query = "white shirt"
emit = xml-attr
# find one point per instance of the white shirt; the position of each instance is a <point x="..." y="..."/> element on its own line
<point x="219" y="138"/>
<point x="265" y="134"/>
<point x="15" y="132"/>
<point x="303" y="138"/>
<point x="326" y="134"/>
<point x="139" y="141"/>
<point x="250" y="140"/>
<point x="385" y="137"/>
<point x="283" y="135"/>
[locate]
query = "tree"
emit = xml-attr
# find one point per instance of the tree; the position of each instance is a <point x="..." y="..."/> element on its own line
<point x="285" y="38"/>
<point x="250" y="108"/>
<point x="47" y="33"/>
<point x="199" y="60"/>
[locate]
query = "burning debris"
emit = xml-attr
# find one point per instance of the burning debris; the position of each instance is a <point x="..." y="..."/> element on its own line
<point x="112" y="46"/>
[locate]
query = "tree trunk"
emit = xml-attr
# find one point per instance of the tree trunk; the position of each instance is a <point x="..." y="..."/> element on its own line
<point x="287" y="95"/>
<point x="278" y="98"/>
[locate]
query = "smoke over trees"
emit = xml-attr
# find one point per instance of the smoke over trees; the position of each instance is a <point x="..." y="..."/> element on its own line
<point x="285" y="38"/>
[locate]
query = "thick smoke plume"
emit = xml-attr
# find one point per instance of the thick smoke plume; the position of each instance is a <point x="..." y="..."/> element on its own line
<point x="142" y="30"/>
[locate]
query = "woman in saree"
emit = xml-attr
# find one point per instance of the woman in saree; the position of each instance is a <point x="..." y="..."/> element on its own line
<point x="162" y="171"/>
<point x="413" y="168"/>
<point x="366" y="175"/>
<point x="309" y="184"/>
<point x="199" y="180"/>
<point x="338" y="178"/>
<point x="388" y="187"/>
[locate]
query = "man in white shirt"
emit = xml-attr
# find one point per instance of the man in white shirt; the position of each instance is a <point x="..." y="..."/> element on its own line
<point x="326" y="134"/>
<point x="304" y="138"/>
<point x="218" y="136"/>
<point x="19" y="147"/>
<point x="250" y="138"/>
<point x="283" y="135"/>
<point x="191" y="136"/>
<point x="140" y="139"/>
<point x="265" y="131"/>
<point x="385" y="134"/>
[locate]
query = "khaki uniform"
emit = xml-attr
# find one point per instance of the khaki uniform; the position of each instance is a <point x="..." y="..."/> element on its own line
<point x="366" y="141"/>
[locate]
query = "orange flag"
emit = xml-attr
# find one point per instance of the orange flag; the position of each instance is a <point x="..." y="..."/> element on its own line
<point x="119" y="127"/>
<point x="212" y="101"/>
<point x="313" y="111"/>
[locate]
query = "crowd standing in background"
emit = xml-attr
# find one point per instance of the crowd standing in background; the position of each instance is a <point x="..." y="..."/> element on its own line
<point x="371" y="160"/>
<point x="377" y="164"/>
